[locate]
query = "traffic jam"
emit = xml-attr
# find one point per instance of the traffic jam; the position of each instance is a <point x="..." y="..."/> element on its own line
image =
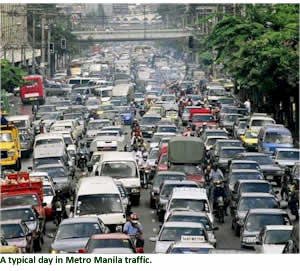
<point x="139" y="152"/>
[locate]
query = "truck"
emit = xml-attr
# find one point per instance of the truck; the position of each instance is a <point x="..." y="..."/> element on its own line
<point x="33" y="90"/>
<point x="10" y="147"/>
<point x="21" y="189"/>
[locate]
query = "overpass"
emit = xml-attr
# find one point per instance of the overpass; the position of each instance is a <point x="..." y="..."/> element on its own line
<point x="131" y="35"/>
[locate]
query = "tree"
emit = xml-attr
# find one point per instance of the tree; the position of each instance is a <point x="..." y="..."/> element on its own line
<point x="11" y="76"/>
<point x="261" y="51"/>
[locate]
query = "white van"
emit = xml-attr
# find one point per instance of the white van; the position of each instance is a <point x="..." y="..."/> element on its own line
<point x="122" y="166"/>
<point x="194" y="199"/>
<point x="100" y="196"/>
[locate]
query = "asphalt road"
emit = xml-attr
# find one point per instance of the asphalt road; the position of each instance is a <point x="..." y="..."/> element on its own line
<point x="225" y="236"/>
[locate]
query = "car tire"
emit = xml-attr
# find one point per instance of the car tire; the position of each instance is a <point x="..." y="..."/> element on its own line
<point x="37" y="246"/>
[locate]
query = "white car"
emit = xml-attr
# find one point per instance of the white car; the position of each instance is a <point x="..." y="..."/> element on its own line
<point x="174" y="231"/>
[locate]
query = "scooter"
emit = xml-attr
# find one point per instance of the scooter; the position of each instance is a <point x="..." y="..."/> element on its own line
<point x="144" y="175"/>
<point x="219" y="212"/>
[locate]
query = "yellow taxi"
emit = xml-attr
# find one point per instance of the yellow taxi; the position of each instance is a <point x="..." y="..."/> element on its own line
<point x="250" y="139"/>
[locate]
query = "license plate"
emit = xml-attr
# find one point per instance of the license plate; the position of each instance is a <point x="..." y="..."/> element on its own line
<point x="58" y="209"/>
<point x="269" y="177"/>
<point x="32" y="99"/>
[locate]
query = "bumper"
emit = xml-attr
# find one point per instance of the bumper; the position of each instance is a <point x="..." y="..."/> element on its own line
<point x="9" y="161"/>
<point x="32" y="99"/>
<point x="134" y="191"/>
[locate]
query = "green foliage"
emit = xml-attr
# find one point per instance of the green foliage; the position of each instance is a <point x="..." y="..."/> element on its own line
<point x="206" y="58"/>
<point x="260" y="49"/>
<point x="11" y="76"/>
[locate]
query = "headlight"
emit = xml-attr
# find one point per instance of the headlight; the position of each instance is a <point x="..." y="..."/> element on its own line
<point x="249" y="239"/>
<point x="11" y="153"/>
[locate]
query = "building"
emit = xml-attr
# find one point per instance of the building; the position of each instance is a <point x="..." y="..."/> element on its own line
<point x="120" y="9"/>
<point x="14" y="44"/>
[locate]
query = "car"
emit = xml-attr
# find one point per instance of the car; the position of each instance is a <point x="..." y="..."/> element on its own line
<point x="272" y="239"/>
<point x="166" y="129"/>
<point x="190" y="247"/>
<point x="166" y="190"/>
<point x="243" y="174"/>
<point x="148" y="124"/>
<point x="92" y="103"/>
<point x="256" y="220"/>
<point x="26" y="140"/>
<point x="225" y="154"/>
<point x="155" y="140"/>
<point x="126" y="113"/>
<point x="32" y="219"/>
<point x="286" y="157"/>
<point x="192" y="172"/>
<point x="250" y="140"/>
<point x="258" y="120"/>
<point x="93" y="127"/>
<point x="152" y="160"/>
<point x="186" y="215"/>
<point x="17" y="233"/>
<point x="174" y="231"/>
<point x="292" y="245"/>
<point x="244" y="164"/>
<point x="74" y="233"/>
<point x="271" y="171"/>
<point x="249" y="201"/>
<point x="5" y="248"/>
<point x="239" y="128"/>
<point x="109" y="243"/>
<point x="211" y="140"/>
<point x="199" y="119"/>
<point x="227" y="121"/>
<point x="214" y="132"/>
<point x="162" y="164"/>
<point x="158" y="179"/>
<point x="222" y="143"/>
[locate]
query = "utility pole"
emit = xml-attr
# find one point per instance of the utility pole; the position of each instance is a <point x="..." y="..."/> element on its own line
<point x="43" y="46"/>
<point x="49" y="53"/>
<point x="33" y="43"/>
<point x="144" y="21"/>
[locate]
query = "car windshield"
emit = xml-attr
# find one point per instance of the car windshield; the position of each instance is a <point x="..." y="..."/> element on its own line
<point x="154" y="154"/>
<point x="105" y="93"/>
<point x="192" y="204"/>
<point x="160" y="178"/>
<point x="229" y="153"/>
<point x="46" y="161"/>
<point x="211" y="141"/>
<point x="5" y="137"/>
<point x="190" y="250"/>
<point x="242" y="125"/>
<point x="28" y="199"/>
<point x="62" y="104"/>
<point x="51" y="116"/>
<point x="108" y="243"/>
<point x="23" y="214"/>
<point x="202" y="118"/>
<point x="92" y="102"/>
<point x="55" y="172"/>
<point x="250" y="134"/>
<point x="277" y="237"/>
<point x="174" y="234"/>
<point x="260" y="123"/>
<point x="288" y="155"/>
<point x="73" y="116"/>
<point x="77" y="230"/>
<point x="163" y="159"/>
<point x="229" y="110"/>
<point x="256" y="222"/>
<point x="68" y="140"/>
<point x="245" y="176"/>
<point x="105" y="107"/>
<point x="48" y="141"/>
<point x="126" y="169"/>
<point x="244" y="166"/>
<point x="261" y="159"/>
<point x="99" y="204"/>
<point x="278" y="138"/>
<point x="191" y="218"/>
<point x="255" y="188"/>
<point x="139" y="95"/>
<point x="97" y="125"/>
<point x="10" y="231"/>
<point x="187" y="169"/>
<point x="217" y="92"/>
<point x="247" y="203"/>
<point x="226" y="101"/>
<point x="168" y="188"/>
<point x="231" y="118"/>
<point x="166" y="129"/>
<point x="149" y="120"/>
<point x="47" y="191"/>
<point x="217" y="133"/>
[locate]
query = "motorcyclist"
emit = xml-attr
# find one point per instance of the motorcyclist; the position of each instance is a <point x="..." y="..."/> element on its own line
<point x="286" y="181"/>
<point x="215" y="173"/>
<point x="188" y="131"/>
<point x="134" y="228"/>
<point x="294" y="201"/>
<point x="180" y="109"/>
<point x="82" y="150"/>
<point x="218" y="191"/>
<point x="144" y="165"/>
<point x="78" y="100"/>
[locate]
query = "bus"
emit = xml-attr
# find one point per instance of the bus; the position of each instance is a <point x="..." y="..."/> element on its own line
<point x="33" y="90"/>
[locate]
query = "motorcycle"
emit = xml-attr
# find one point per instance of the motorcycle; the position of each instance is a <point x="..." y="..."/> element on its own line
<point x="144" y="175"/>
<point x="82" y="161"/>
<point x="59" y="209"/>
<point x="219" y="212"/>
<point x="138" y="243"/>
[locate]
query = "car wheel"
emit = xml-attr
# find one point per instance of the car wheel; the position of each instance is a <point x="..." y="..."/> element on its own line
<point x="152" y="204"/>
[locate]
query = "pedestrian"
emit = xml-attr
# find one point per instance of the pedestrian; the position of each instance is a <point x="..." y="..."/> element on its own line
<point x="248" y="105"/>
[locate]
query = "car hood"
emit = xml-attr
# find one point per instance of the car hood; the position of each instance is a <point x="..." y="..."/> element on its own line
<point x="162" y="246"/>
<point x="130" y="182"/>
<point x="91" y="132"/>
<point x="70" y="245"/>
<point x="285" y="163"/>
<point x="272" y="249"/>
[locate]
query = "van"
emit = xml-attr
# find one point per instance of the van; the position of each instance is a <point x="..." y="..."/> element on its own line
<point x="81" y="80"/>
<point x="49" y="138"/>
<point x="259" y="120"/>
<point x="21" y="122"/>
<point x="194" y="199"/>
<point x="272" y="137"/>
<point x="33" y="90"/>
<point x="50" y="154"/>
<point x="100" y="196"/>
<point x="122" y="166"/>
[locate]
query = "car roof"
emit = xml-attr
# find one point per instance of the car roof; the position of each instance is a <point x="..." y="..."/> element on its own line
<point x="177" y="212"/>
<point x="287" y="149"/>
<point x="245" y="171"/>
<point x="279" y="227"/>
<point x="170" y="172"/>
<point x="117" y="156"/>
<point x="152" y="115"/>
<point x="189" y="193"/>
<point x="253" y="181"/>
<point x="81" y="219"/>
<point x="179" y="182"/>
<point x="110" y="236"/>
<point x="254" y="154"/>
<point x="266" y="211"/>
<point x="97" y="186"/>
<point x="50" y="165"/>
<point x="175" y="224"/>
<point x="232" y="148"/>
<point x="257" y="194"/>
<point x="17" y="207"/>
<point x="185" y="244"/>
<point x="243" y="162"/>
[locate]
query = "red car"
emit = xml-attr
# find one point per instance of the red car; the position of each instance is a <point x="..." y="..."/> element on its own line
<point x="192" y="172"/>
<point x="199" y="119"/>
<point x="163" y="162"/>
